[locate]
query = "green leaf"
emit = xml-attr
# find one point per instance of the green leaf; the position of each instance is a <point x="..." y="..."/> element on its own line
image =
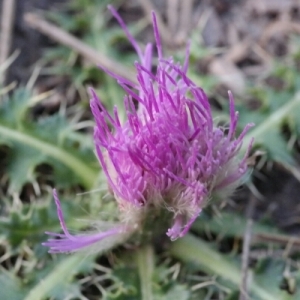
<point x="44" y="141"/>
<point x="229" y="225"/>
<point x="58" y="281"/>
<point x="179" y="292"/>
<point x="31" y="222"/>
<point x="270" y="273"/>
<point x="128" y="282"/>
<point x="11" y="286"/>
<point x="206" y="258"/>
<point x="267" y="134"/>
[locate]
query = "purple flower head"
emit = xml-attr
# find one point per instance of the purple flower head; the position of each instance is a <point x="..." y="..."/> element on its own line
<point x="168" y="154"/>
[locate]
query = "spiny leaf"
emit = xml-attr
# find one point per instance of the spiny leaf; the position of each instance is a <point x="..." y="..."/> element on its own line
<point x="127" y="288"/>
<point x="31" y="222"/>
<point x="44" y="141"/>
<point x="58" y="281"/>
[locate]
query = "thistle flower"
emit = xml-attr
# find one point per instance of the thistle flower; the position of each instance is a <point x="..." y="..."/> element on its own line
<point x="167" y="155"/>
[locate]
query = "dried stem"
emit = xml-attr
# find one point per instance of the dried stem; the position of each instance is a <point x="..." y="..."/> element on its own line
<point x="278" y="239"/>
<point x="246" y="250"/>
<point x="172" y="14"/>
<point x="69" y="40"/>
<point x="148" y="7"/>
<point x="7" y="17"/>
<point x="186" y="13"/>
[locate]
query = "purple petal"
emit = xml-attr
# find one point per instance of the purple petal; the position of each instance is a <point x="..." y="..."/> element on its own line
<point x="71" y="243"/>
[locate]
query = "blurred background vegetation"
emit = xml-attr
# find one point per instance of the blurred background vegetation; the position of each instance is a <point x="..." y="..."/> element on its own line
<point x="248" y="244"/>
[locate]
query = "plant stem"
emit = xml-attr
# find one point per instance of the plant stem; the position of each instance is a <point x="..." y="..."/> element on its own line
<point x="192" y="249"/>
<point x="145" y="263"/>
<point x="87" y="174"/>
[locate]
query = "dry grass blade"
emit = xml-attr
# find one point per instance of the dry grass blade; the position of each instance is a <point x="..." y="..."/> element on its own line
<point x="277" y="239"/>
<point x="148" y="7"/>
<point x="246" y="250"/>
<point x="7" y="17"/>
<point x="186" y="16"/>
<point x="83" y="49"/>
<point x="172" y="13"/>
